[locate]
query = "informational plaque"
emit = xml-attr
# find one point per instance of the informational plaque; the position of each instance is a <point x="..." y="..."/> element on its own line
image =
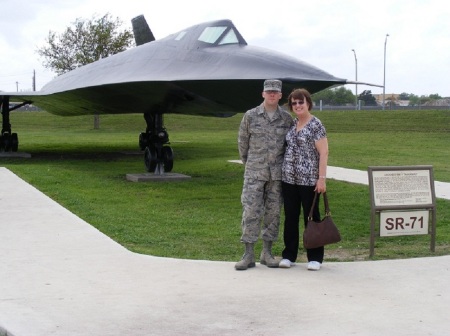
<point x="404" y="198"/>
<point x="402" y="187"/>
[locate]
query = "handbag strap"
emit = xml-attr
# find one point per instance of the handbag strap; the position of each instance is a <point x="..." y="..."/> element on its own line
<point x="325" y="202"/>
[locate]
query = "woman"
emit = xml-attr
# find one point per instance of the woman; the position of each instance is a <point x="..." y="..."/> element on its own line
<point x="303" y="173"/>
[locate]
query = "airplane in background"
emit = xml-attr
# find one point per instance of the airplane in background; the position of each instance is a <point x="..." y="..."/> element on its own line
<point x="207" y="69"/>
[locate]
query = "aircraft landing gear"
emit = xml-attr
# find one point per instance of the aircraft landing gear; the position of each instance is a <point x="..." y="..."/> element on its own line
<point x="158" y="163"/>
<point x="9" y="142"/>
<point x="157" y="157"/>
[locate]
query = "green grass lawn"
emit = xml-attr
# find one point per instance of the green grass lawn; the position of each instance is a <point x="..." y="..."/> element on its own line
<point x="84" y="170"/>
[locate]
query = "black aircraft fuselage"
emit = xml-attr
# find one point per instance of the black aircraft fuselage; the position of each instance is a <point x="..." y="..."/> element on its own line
<point x="207" y="69"/>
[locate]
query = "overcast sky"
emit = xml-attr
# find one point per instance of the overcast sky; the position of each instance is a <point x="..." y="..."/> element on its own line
<point x="322" y="33"/>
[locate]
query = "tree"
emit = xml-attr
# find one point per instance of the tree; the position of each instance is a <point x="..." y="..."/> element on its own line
<point x="336" y="97"/>
<point x="343" y="96"/>
<point x="403" y="96"/>
<point x="326" y="96"/>
<point x="414" y="100"/>
<point x="87" y="41"/>
<point x="424" y="99"/>
<point x="367" y="97"/>
<point x="435" y="96"/>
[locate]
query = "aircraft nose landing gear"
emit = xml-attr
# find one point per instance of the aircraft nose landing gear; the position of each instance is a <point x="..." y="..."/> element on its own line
<point x="158" y="159"/>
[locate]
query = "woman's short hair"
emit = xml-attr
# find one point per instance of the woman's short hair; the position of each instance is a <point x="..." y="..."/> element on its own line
<point x="300" y="94"/>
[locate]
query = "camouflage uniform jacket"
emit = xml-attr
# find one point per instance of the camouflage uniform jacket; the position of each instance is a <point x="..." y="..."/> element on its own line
<point x="262" y="142"/>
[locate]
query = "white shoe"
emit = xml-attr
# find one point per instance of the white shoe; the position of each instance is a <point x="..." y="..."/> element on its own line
<point x="313" y="266"/>
<point x="286" y="263"/>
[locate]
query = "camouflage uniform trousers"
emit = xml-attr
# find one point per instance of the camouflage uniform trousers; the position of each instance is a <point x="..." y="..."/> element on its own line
<point x="261" y="202"/>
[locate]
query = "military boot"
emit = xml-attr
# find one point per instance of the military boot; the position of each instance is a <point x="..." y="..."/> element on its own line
<point x="266" y="257"/>
<point x="248" y="259"/>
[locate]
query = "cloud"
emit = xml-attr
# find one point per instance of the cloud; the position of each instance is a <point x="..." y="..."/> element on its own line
<point x="322" y="33"/>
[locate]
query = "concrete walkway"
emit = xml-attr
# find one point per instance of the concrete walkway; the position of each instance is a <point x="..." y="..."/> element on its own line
<point x="62" y="277"/>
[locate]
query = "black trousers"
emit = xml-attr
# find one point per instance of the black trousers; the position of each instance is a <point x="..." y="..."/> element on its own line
<point x="296" y="198"/>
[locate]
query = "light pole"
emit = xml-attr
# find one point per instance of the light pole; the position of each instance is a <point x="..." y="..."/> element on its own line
<point x="356" y="79"/>
<point x="384" y="73"/>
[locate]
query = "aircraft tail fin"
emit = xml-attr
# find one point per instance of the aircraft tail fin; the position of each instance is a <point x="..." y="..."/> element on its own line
<point x="141" y="30"/>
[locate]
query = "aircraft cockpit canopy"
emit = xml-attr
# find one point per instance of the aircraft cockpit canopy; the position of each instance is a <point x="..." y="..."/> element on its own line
<point x="215" y="34"/>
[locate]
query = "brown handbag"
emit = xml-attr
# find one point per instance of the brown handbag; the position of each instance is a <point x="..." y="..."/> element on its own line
<point x="321" y="233"/>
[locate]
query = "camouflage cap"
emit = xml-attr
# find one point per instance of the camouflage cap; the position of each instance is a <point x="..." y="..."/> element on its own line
<point x="272" y="85"/>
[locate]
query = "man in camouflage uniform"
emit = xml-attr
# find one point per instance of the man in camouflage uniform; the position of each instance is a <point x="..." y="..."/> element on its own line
<point x="261" y="142"/>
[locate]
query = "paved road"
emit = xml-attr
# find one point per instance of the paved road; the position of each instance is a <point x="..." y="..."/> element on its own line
<point x="62" y="277"/>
